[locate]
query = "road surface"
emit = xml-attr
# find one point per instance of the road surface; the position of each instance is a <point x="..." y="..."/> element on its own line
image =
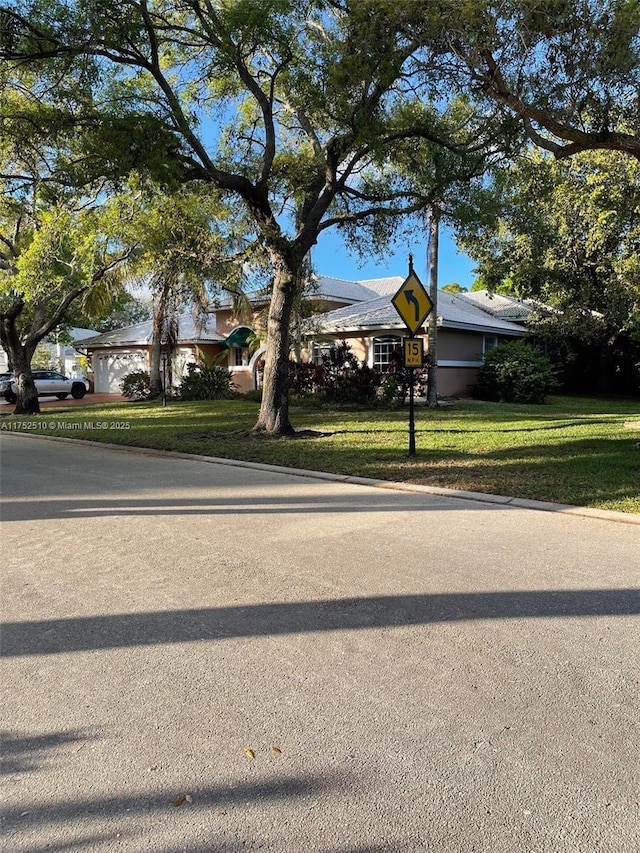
<point x="208" y="658"/>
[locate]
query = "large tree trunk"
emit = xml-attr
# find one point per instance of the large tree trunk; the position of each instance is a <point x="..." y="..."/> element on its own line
<point x="432" y="375"/>
<point x="27" y="402"/>
<point x="19" y="357"/>
<point x="274" y="411"/>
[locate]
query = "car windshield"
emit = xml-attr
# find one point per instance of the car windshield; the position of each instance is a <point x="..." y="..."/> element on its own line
<point x="47" y="374"/>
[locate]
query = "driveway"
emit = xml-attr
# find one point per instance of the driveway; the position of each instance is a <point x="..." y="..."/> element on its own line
<point x="87" y="400"/>
<point x="207" y="658"/>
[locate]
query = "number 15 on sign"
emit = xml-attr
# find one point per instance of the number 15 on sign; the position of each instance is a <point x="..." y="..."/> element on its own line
<point x="413" y="352"/>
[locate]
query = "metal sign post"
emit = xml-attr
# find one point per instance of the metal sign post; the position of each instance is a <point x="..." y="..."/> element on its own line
<point x="412" y="419"/>
<point x="413" y="304"/>
<point x="413" y="356"/>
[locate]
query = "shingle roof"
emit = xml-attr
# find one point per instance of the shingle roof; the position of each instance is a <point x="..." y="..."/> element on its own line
<point x="78" y="334"/>
<point x="507" y="307"/>
<point x="383" y="286"/>
<point x="372" y="312"/>
<point x="255" y="297"/>
<point x="330" y="288"/>
<point x="453" y="312"/>
<point x="190" y="330"/>
<point x="456" y="310"/>
<point x="353" y="291"/>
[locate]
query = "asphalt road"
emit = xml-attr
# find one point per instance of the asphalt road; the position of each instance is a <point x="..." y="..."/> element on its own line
<point x="436" y="674"/>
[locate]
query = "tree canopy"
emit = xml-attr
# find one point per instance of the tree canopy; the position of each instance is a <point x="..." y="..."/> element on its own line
<point x="57" y="246"/>
<point x="570" y="71"/>
<point x="279" y="104"/>
<point x="566" y="233"/>
<point x="294" y="111"/>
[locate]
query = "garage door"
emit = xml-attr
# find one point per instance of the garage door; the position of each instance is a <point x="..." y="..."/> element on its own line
<point x="110" y="368"/>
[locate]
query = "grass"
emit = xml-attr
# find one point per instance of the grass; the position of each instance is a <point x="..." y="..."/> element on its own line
<point x="574" y="450"/>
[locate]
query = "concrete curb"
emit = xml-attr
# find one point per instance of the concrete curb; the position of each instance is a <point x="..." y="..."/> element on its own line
<point x="460" y="494"/>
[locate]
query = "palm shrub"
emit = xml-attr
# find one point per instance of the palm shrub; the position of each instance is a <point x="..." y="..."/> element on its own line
<point x="516" y="372"/>
<point x="207" y="382"/>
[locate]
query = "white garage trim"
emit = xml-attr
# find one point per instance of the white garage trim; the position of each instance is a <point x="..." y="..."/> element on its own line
<point x="111" y="366"/>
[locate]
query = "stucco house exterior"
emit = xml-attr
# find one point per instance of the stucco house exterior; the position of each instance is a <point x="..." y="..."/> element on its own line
<point x="115" y="354"/>
<point x="359" y="312"/>
<point x="221" y="335"/>
<point x="469" y="324"/>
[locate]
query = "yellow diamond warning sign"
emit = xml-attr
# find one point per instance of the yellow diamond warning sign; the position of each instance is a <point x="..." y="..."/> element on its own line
<point x="412" y="302"/>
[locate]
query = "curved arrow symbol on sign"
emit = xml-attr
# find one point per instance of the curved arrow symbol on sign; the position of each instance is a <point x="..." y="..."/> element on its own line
<point x="412" y="300"/>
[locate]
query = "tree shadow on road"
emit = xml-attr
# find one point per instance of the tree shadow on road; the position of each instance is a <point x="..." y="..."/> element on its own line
<point x="26" y="753"/>
<point x="56" y="636"/>
<point x="101" y="820"/>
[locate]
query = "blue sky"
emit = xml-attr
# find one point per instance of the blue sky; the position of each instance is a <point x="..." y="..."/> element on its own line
<point x="332" y="257"/>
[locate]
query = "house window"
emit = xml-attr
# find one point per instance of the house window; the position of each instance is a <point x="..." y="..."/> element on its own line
<point x="320" y="349"/>
<point x="489" y="342"/>
<point x="240" y="357"/>
<point x="382" y="351"/>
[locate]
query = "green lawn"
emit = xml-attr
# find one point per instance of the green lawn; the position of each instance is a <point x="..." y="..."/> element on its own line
<point x="572" y="450"/>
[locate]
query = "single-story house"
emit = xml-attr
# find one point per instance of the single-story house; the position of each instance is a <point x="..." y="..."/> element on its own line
<point x="359" y="312"/>
<point x="221" y="335"/>
<point x="469" y="324"/>
<point x="117" y="353"/>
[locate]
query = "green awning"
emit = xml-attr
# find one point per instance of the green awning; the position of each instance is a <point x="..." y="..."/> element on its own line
<point x="239" y="338"/>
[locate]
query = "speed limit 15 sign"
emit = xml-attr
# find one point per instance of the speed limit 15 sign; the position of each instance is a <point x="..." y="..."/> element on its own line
<point x="413" y="352"/>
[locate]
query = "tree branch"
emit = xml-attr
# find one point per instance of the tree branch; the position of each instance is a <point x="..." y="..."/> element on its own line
<point x="116" y="262"/>
<point x="494" y="85"/>
<point x="372" y="211"/>
<point x="14" y="311"/>
<point x="40" y="331"/>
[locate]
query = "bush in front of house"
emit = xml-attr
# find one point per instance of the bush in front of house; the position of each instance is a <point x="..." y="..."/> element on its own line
<point x="346" y="379"/>
<point x="306" y="378"/>
<point x="207" y="382"/>
<point x="515" y="372"/>
<point x="357" y="385"/>
<point x="306" y="384"/>
<point x="136" y="386"/>
<point x="390" y="394"/>
<point x="339" y="378"/>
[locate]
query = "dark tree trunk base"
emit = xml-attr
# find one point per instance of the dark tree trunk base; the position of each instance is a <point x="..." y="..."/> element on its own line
<point x="277" y="432"/>
<point x="29" y="408"/>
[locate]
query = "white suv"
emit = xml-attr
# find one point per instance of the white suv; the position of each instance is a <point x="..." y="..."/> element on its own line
<point x="49" y="383"/>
